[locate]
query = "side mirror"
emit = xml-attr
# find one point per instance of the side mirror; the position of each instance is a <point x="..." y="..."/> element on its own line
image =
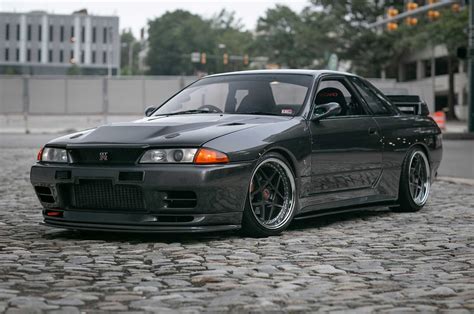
<point x="149" y="111"/>
<point x="325" y="110"/>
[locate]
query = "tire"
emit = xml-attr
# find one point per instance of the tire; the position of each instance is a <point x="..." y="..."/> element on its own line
<point x="271" y="197"/>
<point x="415" y="181"/>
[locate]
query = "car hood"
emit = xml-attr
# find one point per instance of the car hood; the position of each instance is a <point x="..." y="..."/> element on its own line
<point x="183" y="130"/>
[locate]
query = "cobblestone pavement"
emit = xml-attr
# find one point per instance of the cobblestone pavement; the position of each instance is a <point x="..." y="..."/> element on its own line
<point x="370" y="261"/>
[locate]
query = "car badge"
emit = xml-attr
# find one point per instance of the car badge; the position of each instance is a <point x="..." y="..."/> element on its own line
<point x="103" y="156"/>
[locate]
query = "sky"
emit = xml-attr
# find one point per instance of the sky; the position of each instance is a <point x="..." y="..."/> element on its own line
<point x="135" y="14"/>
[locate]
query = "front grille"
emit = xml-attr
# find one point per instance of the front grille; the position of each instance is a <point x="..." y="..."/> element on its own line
<point x="105" y="155"/>
<point x="102" y="194"/>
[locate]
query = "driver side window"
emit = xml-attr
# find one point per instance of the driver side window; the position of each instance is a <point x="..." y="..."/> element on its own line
<point x="334" y="90"/>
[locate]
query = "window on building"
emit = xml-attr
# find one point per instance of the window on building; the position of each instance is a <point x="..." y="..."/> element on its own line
<point x="50" y="55"/>
<point x="82" y="56"/>
<point x="428" y="69"/>
<point x="28" y="55"/>
<point x="71" y="57"/>
<point x="93" y="57"/>
<point x="7" y="54"/>
<point x="105" y="35"/>
<point x="28" y="32"/>
<point x="39" y="55"/>
<point x="17" y="31"/>
<point x="7" y="31"/>
<point x="51" y="30"/>
<point x="94" y="34"/>
<point x="40" y="31"/>
<point x="83" y="34"/>
<point x="61" y="56"/>
<point x="442" y="66"/>
<point x="410" y="71"/>
<point x="61" y="33"/>
<point x="17" y="54"/>
<point x="72" y="31"/>
<point x="104" y="57"/>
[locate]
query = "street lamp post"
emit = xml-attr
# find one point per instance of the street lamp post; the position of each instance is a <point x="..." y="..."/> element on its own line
<point x="471" y="69"/>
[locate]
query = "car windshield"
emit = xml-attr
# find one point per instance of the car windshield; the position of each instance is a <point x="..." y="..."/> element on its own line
<point x="272" y="94"/>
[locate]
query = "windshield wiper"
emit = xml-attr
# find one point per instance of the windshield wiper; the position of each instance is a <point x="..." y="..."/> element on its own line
<point x="186" y="112"/>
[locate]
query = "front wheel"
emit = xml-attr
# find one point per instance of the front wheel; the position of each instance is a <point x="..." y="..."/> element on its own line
<point x="271" y="199"/>
<point x="415" y="181"/>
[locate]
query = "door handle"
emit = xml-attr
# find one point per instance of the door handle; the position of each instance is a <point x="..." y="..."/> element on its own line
<point x="372" y="131"/>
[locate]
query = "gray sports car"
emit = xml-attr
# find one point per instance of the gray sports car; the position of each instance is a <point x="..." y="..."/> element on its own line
<point x="248" y="150"/>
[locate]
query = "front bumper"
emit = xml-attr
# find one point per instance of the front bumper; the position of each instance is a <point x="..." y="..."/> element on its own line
<point x="219" y="194"/>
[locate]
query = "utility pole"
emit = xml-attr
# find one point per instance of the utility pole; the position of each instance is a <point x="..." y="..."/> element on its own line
<point x="471" y="69"/>
<point x="130" y="58"/>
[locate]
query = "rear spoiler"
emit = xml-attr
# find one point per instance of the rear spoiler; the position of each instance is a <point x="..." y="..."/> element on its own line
<point x="410" y="104"/>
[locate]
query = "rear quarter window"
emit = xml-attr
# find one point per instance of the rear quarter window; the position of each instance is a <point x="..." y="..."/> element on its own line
<point x="375" y="100"/>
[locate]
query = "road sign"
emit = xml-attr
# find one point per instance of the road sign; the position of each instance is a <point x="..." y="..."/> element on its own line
<point x="195" y="57"/>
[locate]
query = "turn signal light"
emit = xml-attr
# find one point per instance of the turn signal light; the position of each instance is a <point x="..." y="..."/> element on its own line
<point x="209" y="156"/>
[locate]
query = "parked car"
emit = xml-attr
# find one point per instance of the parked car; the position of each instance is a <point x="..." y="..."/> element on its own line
<point x="248" y="150"/>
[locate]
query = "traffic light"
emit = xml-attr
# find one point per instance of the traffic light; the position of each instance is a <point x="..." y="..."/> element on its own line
<point x="392" y="12"/>
<point x="203" y="58"/>
<point x="433" y="14"/>
<point x="411" y="21"/>
<point x="225" y="58"/>
<point x="456" y="8"/>
<point x="412" y="6"/>
<point x="246" y="59"/>
<point x="392" y="26"/>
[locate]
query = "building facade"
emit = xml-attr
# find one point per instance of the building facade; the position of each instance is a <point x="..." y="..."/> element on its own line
<point x="429" y="66"/>
<point x="38" y="43"/>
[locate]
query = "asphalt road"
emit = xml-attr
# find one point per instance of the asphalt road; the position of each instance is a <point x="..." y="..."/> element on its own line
<point x="371" y="261"/>
<point x="458" y="156"/>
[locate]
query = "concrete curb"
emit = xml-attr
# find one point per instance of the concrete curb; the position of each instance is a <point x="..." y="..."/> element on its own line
<point x="464" y="181"/>
<point x="458" y="136"/>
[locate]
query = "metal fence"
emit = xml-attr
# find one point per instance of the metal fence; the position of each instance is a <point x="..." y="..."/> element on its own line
<point x="53" y="95"/>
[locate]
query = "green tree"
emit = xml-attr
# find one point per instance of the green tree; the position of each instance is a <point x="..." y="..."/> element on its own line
<point x="129" y="45"/>
<point x="172" y="39"/>
<point x="229" y="38"/>
<point x="74" y="70"/>
<point x="277" y="37"/>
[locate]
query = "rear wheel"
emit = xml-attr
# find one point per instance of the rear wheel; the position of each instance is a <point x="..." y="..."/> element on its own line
<point x="271" y="198"/>
<point x="415" y="181"/>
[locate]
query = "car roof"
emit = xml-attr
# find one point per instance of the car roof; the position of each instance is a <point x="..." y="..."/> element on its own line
<point x="282" y="71"/>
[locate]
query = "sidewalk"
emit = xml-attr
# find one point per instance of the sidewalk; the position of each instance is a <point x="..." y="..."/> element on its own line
<point x="457" y="130"/>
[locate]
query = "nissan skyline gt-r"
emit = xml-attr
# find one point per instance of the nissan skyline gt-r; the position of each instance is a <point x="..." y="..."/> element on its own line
<point x="248" y="150"/>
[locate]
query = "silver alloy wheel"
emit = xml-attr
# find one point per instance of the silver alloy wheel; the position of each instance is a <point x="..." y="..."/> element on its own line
<point x="272" y="193"/>
<point x="419" y="179"/>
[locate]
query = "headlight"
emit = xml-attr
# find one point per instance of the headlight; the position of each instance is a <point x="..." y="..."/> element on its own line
<point x="202" y="156"/>
<point x="49" y="154"/>
<point x="175" y="155"/>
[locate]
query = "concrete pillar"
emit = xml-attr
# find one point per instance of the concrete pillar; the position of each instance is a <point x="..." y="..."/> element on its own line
<point x="23" y="38"/>
<point x="44" y="39"/>
<point x="88" y="41"/>
<point x="77" y="34"/>
<point x="420" y="70"/>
